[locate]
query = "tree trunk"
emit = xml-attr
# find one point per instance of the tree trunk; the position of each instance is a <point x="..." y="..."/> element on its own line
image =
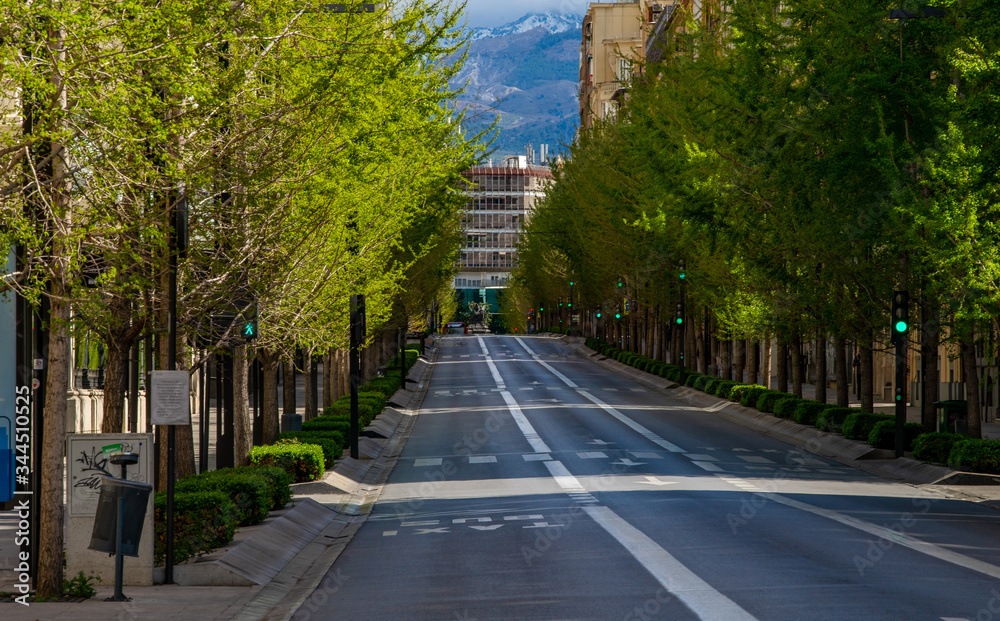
<point x="115" y="381"/>
<point x="796" y="352"/>
<point x="49" y="582"/>
<point x="767" y="361"/>
<point x="840" y="369"/>
<point x="271" y="423"/>
<point x="690" y="347"/>
<point x="307" y="373"/>
<point x="930" y="373"/>
<point x="329" y="385"/>
<point x="821" y="367"/>
<point x="753" y="362"/>
<point x="242" y="414"/>
<point x="741" y="359"/>
<point x="867" y="376"/>
<point x="970" y="375"/>
<point x="782" y="367"/>
<point x="288" y="385"/>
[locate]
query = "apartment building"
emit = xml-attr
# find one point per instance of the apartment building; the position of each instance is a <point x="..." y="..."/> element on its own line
<point x="613" y="45"/>
<point x="501" y="199"/>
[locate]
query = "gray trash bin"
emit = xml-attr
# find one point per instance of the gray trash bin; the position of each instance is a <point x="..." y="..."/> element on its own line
<point x="105" y="532"/>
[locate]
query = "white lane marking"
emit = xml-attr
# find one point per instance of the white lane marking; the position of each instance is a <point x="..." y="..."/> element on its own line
<point x="654" y="481"/>
<point x="389" y="533"/>
<point x="700" y="457"/>
<point x="422" y="523"/>
<point x="592" y="455"/>
<point x="548" y="366"/>
<point x="482" y="459"/>
<point x="529" y="432"/>
<point x="430" y="461"/>
<point x="472" y="519"/>
<point x="601" y="442"/>
<point x="892" y="535"/>
<point x="694" y="592"/>
<point x="489" y="362"/>
<point x="707" y="465"/>
<point x="755" y="459"/>
<point x="490" y="527"/>
<point x="625" y="461"/>
<point x="514" y="518"/>
<point x="646" y="455"/>
<point x="536" y="457"/>
<point x="646" y="433"/>
<point x="563" y="477"/>
<point x="427" y="531"/>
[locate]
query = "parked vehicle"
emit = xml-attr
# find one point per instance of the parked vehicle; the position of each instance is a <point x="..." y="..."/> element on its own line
<point x="456" y="327"/>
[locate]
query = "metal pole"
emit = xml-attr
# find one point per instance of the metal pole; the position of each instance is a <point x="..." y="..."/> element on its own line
<point x="402" y="358"/>
<point x="357" y="304"/>
<point x="119" y="557"/>
<point x="168" y="570"/>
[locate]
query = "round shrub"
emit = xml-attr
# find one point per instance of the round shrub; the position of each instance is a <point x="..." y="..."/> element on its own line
<point x="833" y="417"/>
<point x="976" y="456"/>
<point x="711" y="385"/>
<point x="750" y="396"/>
<point x="724" y="387"/>
<point x="785" y="407"/>
<point x="883" y="434"/>
<point x="767" y="399"/>
<point x="701" y="381"/>
<point x="807" y="411"/>
<point x="249" y="492"/>
<point x="740" y="390"/>
<point x="935" y="447"/>
<point x="859" y="425"/>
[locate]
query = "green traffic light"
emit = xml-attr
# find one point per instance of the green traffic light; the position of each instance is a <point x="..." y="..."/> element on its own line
<point x="901" y="326"/>
<point x="618" y="315"/>
<point x="683" y="275"/>
<point x="680" y="320"/>
<point x="571" y="283"/>
<point x="598" y="315"/>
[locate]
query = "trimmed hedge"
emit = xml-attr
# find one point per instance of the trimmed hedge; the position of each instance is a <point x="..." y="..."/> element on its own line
<point x="691" y="379"/>
<point x="859" y="424"/>
<point x="712" y="385"/>
<point x="332" y="442"/>
<point x="883" y="434"/>
<point x="807" y="411"/>
<point x="976" y="456"/>
<point x="202" y="521"/>
<point x="833" y="417"/>
<point x="304" y="462"/>
<point x="935" y="447"/>
<point x="767" y="399"/>
<point x="751" y="395"/>
<point x="785" y="407"/>
<point x="738" y="391"/>
<point x="701" y="381"/>
<point x="724" y="388"/>
<point x="249" y="492"/>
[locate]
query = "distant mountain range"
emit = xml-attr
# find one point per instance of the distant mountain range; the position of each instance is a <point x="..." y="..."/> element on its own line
<point x="527" y="72"/>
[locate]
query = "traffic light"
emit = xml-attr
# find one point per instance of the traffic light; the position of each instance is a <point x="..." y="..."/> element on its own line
<point x="560" y="301"/>
<point x="682" y="273"/>
<point x="598" y="314"/>
<point x="900" y="314"/>
<point x="620" y="283"/>
<point x="250" y="328"/>
<point x="680" y="314"/>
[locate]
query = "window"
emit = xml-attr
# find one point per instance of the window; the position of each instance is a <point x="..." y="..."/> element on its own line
<point x="624" y="70"/>
<point x="610" y="111"/>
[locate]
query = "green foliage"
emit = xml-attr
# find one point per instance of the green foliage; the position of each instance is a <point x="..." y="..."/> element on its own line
<point x="724" y="387"/>
<point x="304" y="462"/>
<point x="935" y="447"/>
<point x="785" y="407"/>
<point x="976" y="456"/>
<point x="858" y="425"/>
<point x="751" y="395"/>
<point x="250" y="493"/>
<point x="202" y="521"/>
<point x="807" y="412"/>
<point x="331" y="441"/>
<point x="80" y="586"/>
<point x="738" y="391"/>
<point x="832" y="418"/>
<point x="766" y="399"/>
<point x="883" y="434"/>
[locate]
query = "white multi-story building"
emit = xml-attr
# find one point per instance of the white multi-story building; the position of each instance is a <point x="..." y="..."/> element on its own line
<point x="501" y="199"/>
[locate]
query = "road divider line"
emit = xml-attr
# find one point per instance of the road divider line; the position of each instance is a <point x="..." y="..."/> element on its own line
<point x="676" y="578"/>
<point x="646" y="433"/>
<point x="894" y="536"/>
<point x="536" y="442"/>
<point x="493" y="368"/>
<point x="548" y="366"/>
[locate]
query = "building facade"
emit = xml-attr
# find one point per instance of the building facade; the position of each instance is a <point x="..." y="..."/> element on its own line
<point x="501" y="199"/>
<point x="613" y="45"/>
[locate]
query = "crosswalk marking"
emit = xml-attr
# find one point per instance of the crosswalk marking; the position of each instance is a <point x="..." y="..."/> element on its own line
<point x="592" y="455"/>
<point x="707" y="465"/>
<point x="482" y="459"/>
<point x="755" y="459"/>
<point x="698" y="457"/>
<point x="536" y="457"/>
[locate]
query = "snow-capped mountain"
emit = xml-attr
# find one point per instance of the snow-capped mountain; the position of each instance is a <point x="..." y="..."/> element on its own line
<point x="527" y="73"/>
<point x="548" y="21"/>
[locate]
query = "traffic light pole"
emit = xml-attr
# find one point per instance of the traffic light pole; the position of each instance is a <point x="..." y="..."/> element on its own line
<point x="899" y="328"/>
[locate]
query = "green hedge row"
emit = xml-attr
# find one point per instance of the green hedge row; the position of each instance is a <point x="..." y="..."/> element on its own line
<point x="304" y="462"/>
<point x="878" y="430"/>
<point x="208" y="507"/>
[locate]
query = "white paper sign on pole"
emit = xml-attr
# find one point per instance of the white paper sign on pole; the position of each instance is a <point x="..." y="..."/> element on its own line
<point x="170" y="398"/>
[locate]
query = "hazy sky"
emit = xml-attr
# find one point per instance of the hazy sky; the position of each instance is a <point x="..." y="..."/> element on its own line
<point x="489" y="13"/>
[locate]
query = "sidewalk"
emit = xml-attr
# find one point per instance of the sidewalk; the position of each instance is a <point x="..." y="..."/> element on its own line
<point x="350" y="490"/>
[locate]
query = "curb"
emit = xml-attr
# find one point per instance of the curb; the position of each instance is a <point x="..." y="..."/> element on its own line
<point x="825" y="444"/>
<point x="307" y="572"/>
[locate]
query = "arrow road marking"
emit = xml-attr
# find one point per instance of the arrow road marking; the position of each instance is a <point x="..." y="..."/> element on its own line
<point x="490" y="527"/>
<point x="475" y="519"/>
